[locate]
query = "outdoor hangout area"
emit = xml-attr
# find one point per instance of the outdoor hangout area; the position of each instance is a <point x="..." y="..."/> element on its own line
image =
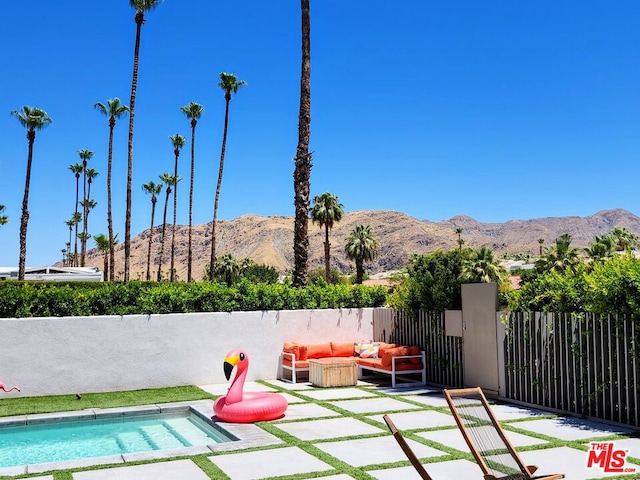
<point x="352" y="393"/>
<point x="339" y="433"/>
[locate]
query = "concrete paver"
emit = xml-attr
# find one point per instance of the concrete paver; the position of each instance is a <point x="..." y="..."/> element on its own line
<point x="330" y="428"/>
<point x="569" y="428"/>
<point x="374" y="451"/>
<point x="448" y="470"/>
<point x="336" y="393"/>
<point x="452" y="438"/>
<point x="269" y="463"/>
<point x="182" y="469"/>
<point x="505" y="413"/>
<point x="371" y="405"/>
<point x="419" y="419"/>
<point x="308" y="410"/>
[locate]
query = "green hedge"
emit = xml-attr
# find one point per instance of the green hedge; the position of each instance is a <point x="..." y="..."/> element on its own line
<point x="48" y="299"/>
<point x="612" y="286"/>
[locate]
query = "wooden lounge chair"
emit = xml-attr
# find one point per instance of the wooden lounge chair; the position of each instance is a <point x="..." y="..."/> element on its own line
<point x="487" y="441"/>
<point x="407" y="449"/>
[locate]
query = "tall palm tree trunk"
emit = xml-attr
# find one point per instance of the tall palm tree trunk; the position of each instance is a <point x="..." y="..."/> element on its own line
<point x="139" y="18"/>
<point x="302" y="170"/>
<point x="212" y="258"/>
<point x="112" y="248"/>
<point x="75" y="248"/>
<point x="359" y="271"/>
<point x="153" y="213"/>
<point x="85" y="210"/>
<point x="175" y="215"/>
<point x="327" y="254"/>
<point x="193" y="171"/>
<point x="24" y="220"/>
<point x="164" y="231"/>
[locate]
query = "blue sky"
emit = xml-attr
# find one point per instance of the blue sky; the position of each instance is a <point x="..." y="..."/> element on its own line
<point x="497" y="110"/>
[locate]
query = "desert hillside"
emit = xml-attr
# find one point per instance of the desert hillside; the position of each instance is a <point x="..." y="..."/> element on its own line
<point x="269" y="240"/>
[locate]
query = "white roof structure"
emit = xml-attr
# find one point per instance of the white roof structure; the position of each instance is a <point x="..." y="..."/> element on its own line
<point x="50" y="273"/>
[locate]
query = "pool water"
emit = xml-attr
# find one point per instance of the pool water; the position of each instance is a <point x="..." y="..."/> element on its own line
<point x="74" y="439"/>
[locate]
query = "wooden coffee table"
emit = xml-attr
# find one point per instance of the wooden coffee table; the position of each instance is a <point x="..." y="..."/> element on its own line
<point x="332" y="372"/>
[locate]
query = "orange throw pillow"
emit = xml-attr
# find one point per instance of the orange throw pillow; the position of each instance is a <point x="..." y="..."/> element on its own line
<point x="394" y="352"/>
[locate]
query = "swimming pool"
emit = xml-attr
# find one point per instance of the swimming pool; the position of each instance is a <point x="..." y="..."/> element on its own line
<point x="52" y="439"/>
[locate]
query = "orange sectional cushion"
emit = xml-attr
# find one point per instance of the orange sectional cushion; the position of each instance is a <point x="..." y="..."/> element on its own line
<point x="300" y="351"/>
<point x="377" y="363"/>
<point x="299" y="363"/>
<point x="395" y="352"/>
<point x="342" y="349"/>
<point x="386" y="346"/>
<point x="414" y="351"/>
<point x="319" y="350"/>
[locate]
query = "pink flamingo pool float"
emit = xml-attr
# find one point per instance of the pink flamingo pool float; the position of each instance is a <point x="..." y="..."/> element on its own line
<point x="246" y="407"/>
<point x="3" y="387"/>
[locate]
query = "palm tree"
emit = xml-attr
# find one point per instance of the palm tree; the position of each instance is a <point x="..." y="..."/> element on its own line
<point x="362" y="246"/>
<point x="193" y="111"/>
<point x="481" y="267"/>
<point x="76" y="218"/>
<point x="87" y="206"/>
<point x="68" y="260"/>
<point x="178" y="142"/>
<point x="460" y="239"/>
<point x="141" y="7"/>
<point x="169" y="180"/>
<point x="559" y="257"/>
<point x="113" y="110"/>
<point x="85" y="155"/>
<point x="32" y="119"/>
<point x="326" y="210"/>
<point x="541" y="242"/>
<point x="227" y="266"/>
<point x="624" y="239"/>
<point x="90" y="173"/>
<point x="76" y="169"/>
<point x="3" y="218"/>
<point x="230" y="85"/>
<point x="302" y="171"/>
<point x="102" y="242"/>
<point x="600" y="249"/>
<point x="152" y="189"/>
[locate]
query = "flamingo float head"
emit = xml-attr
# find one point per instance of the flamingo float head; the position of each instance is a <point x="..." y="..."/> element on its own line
<point x="3" y="387"/>
<point x="235" y="358"/>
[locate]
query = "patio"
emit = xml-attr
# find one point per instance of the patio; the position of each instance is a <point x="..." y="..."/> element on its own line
<point x="339" y="434"/>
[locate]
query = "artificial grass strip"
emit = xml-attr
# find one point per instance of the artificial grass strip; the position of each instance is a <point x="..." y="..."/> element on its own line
<point x="208" y="467"/>
<point x="65" y="403"/>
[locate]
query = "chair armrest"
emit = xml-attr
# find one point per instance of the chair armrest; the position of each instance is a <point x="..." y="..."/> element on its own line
<point x="292" y="355"/>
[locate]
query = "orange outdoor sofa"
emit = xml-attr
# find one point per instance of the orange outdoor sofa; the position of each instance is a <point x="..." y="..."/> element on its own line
<point x="392" y="359"/>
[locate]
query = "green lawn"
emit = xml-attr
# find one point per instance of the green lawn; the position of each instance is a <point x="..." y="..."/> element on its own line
<point x="64" y="403"/>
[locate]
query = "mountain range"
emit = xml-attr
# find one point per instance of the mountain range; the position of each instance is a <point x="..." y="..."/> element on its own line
<point x="269" y="240"/>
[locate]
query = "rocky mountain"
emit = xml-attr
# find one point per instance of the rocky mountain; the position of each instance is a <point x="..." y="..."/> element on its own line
<point x="269" y="240"/>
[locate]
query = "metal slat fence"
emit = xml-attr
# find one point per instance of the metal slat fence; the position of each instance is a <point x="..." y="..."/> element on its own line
<point x="427" y="331"/>
<point x="583" y="363"/>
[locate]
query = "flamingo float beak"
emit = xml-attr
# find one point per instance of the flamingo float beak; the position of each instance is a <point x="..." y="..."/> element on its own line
<point x="229" y="363"/>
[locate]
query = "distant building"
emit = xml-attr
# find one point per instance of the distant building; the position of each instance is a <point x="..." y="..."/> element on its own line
<point x="57" y="274"/>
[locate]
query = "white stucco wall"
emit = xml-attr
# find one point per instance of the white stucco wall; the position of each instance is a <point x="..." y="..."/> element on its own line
<point x="50" y="356"/>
